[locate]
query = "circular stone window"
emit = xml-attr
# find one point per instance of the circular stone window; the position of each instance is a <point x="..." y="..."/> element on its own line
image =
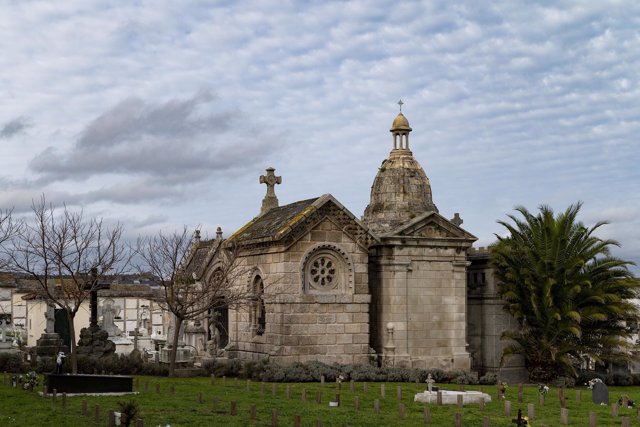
<point x="324" y="273"/>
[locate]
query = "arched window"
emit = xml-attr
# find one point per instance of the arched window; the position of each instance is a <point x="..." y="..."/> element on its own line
<point x="258" y="315"/>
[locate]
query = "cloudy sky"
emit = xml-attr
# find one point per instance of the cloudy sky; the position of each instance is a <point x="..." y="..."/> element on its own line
<point x="159" y="115"/>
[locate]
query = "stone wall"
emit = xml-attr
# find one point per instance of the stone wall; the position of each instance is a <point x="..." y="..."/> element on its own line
<point x="421" y="290"/>
<point x="487" y="321"/>
<point x="305" y="323"/>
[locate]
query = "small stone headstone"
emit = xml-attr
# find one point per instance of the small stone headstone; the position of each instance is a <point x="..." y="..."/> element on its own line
<point x="507" y="408"/>
<point x="356" y="403"/>
<point x="382" y="390"/>
<point x="376" y="406"/>
<point x="233" y="409"/>
<point x="274" y="418"/>
<point x="626" y="422"/>
<point x="486" y="421"/>
<point x="296" y="421"/>
<point x="401" y="411"/>
<point x="399" y="392"/>
<point x="531" y="411"/>
<point x="614" y="410"/>
<point x="352" y="385"/>
<point x="592" y="419"/>
<point x="253" y="412"/>
<point x="458" y="419"/>
<point x="426" y="415"/>
<point x="460" y="400"/>
<point x="600" y="394"/>
<point x="564" y="416"/>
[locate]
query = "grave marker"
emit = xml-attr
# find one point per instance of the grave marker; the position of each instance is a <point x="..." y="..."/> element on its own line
<point x="111" y="419"/>
<point x="564" y="416"/>
<point x="199" y="397"/>
<point x="460" y="400"/>
<point x="233" y="411"/>
<point x="519" y="420"/>
<point x="356" y="403"/>
<point x="399" y="392"/>
<point x="274" y="418"/>
<point x="600" y="394"/>
<point x="352" y="386"/>
<point x="592" y="419"/>
<point x="614" y="410"/>
<point x="625" y="422"/>
<point x="97" y="414"/>
<point x="426" y="415"/>
<point x="401" y="411"/>
<point x="304" y="394"/>
<point x="252" y="414"/>
<point x="507" y="408"/>
<point x="531" y="411"/>
<point x="288" y="391"/>
<point x="486" y="421"/>
<point x="214" y="402"/>
<point x="318" y="397"/>
<point x="64" y="400"/>
<point x="382" y="390"/>
<point x="541" y="399"/>
<point x="296" y="421"/>
<point x="365" y="388"/>
<point x="248" y="385"/>
<point x="84" y="408"/>
<point x="376" y="406"/>
<point x="439" y="398"/>
<point x="458" y="419"/>
<point x="578" y="396"/>
<point x="273" y="389"/>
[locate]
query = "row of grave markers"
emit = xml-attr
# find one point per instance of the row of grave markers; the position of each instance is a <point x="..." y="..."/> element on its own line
<point x="564" y="412"/>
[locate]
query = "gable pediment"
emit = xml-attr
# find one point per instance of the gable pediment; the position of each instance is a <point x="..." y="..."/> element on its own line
<point x="432" y="226"/>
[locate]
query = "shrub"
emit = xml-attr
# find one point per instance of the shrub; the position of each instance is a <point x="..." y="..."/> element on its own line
<point x="439" y="375"/>
<point x="622" y="379"/>
<point x="463" y="377"/>
<point x="490" y="378"/>
<point x="585" y="376"/>
<point x="12" y="362"/>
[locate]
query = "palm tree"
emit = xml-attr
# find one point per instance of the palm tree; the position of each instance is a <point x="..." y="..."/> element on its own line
<point x="569" y="295"/>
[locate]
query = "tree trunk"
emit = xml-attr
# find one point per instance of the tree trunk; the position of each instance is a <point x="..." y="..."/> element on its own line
<point x="72" y="342"/>
<point x="174" y="347"/>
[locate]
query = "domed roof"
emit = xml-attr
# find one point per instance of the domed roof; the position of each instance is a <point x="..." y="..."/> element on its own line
<point x="401" y="190"/>
<point x="400" y="123"/>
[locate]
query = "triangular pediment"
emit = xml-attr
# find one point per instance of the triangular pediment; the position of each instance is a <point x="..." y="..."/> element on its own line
<point x="433" y="226"/>
<point x="285" y="225"/>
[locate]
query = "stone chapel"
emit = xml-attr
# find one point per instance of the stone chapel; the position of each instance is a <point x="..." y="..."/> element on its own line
<point x="391" y="287"/>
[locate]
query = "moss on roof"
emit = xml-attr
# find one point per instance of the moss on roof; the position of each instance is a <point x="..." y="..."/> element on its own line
<point x="272" y="224"/>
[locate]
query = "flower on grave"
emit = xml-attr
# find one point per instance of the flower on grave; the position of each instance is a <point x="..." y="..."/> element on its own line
<point x="30" y="380"/>
<point x="543" y="389"/>
<point x="625" y="399"/>
<point x="593" y="382"/>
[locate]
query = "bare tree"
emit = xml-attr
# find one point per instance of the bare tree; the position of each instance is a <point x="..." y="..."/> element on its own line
<point x="191" y="290"/>
<point x="9" y="227"/>
<point x="59" y="251"/>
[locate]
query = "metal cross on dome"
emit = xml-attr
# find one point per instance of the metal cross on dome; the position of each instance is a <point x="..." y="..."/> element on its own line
<point x="400" y="104"/>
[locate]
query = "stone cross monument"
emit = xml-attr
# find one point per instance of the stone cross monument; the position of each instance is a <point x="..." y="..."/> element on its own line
<point x="270" y="201"/>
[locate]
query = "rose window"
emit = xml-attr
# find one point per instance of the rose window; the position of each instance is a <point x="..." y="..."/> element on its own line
<point x="323" y="272"/>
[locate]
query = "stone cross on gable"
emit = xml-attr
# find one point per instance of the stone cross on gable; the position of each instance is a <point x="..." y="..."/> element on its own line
<point x="270" y="200"/>
<point x="456" y="219"/>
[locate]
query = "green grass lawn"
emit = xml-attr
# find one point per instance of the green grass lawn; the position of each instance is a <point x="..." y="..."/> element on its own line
<point x="181" y="408"/>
